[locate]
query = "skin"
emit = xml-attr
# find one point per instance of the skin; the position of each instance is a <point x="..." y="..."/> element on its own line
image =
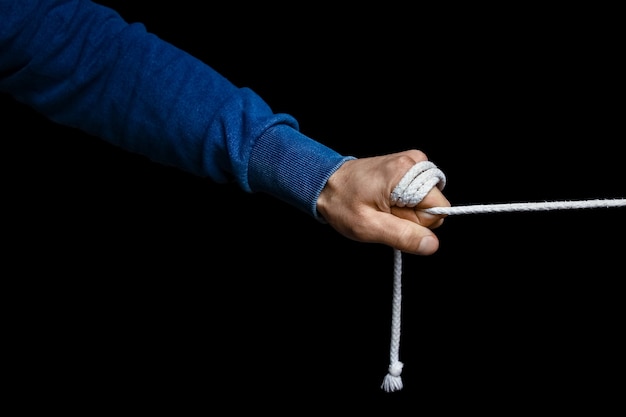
<point x="356" y="203"/>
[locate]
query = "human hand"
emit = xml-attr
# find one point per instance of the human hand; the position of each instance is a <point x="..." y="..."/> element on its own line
<point x="356" y="202"/>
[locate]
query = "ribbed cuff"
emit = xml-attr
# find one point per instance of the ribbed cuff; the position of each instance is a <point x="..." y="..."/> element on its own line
<point x="292" y="167"/>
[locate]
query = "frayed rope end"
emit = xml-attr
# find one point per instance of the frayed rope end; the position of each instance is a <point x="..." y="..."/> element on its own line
<point x="393" y="380"/>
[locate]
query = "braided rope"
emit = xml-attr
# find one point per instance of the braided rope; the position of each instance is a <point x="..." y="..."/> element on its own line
<point x="409" y="192"/>
<point x="536" y="206"/>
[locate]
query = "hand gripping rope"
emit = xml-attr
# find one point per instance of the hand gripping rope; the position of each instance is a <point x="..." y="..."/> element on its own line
<point x="412" y="189"/>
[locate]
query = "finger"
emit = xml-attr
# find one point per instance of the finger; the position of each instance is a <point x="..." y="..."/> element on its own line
<point x="415" y="215"/>
<point x="404" y="234"/>
<point x="434" y="198"/>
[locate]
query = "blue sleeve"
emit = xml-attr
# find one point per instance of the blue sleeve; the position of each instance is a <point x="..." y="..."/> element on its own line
<point x="81" y="65"/>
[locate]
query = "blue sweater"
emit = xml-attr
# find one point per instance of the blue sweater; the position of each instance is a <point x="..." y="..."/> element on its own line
<point x="81" y="65"/>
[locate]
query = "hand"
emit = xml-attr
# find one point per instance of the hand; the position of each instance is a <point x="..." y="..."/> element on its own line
<point x="356" y="203"/>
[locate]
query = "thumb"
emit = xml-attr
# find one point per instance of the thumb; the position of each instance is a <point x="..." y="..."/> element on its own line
<point x="406" y="235"/>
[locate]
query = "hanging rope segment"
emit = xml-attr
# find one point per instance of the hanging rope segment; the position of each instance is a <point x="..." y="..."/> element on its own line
<point x="409" y="192"/>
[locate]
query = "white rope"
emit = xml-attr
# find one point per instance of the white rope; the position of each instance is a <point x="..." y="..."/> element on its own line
<point x="536" y="206"/>
<point x="393" y="381"/>
<point x="412" y="189"/>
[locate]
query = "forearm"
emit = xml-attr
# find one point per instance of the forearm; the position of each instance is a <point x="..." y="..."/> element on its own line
<point x="83" y="66"/>
<point x="292" y="167"/>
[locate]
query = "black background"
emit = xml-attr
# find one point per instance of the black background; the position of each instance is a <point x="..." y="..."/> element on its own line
<point x="144" y="283"/>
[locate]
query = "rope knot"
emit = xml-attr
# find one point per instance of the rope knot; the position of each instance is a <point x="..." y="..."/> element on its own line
<point x="395" y="369"/>
<point x="416" y="183"/>
<point x="393" y="381"/>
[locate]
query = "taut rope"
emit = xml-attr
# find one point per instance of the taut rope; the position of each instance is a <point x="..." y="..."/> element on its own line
<point x="412" y="189"/>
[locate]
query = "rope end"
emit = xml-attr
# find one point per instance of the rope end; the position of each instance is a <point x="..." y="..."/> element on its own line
<point x="393" y="380"/>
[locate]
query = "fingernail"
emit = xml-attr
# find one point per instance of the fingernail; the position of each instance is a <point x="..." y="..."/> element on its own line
<point x="428" y="245"/>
